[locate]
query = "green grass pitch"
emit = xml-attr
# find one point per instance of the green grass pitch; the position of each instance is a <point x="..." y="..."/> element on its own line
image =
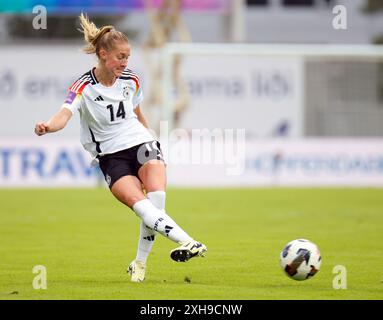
<point x="85" y="239"/>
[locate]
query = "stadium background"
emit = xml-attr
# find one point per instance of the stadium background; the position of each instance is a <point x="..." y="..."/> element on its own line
<point x="250" y="99"/>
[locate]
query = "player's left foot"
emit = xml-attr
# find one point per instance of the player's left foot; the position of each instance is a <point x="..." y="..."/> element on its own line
<point x="137" y="270"/>
<point x="188" y="250"/>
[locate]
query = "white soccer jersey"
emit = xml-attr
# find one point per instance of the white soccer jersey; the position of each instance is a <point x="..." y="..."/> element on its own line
<point x="108" y="122"/>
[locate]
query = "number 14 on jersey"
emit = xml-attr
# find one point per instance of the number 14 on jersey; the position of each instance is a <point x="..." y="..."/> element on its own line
<point x="120" y="111"/>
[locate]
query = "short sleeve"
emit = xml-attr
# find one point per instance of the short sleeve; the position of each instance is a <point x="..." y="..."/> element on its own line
<point x="73" y="101"/>
<point x="137" y="97"/>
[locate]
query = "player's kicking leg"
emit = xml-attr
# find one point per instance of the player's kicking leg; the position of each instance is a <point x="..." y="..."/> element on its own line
<point x="153" y="176"/>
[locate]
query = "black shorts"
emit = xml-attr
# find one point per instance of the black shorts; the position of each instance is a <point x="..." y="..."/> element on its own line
<point x="127" y="162"/>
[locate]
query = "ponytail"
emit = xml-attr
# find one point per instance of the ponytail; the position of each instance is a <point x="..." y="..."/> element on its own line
<point x="98" y="38"/>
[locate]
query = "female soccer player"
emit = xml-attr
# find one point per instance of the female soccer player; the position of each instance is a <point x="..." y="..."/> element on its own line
<point x="115" y="133"/>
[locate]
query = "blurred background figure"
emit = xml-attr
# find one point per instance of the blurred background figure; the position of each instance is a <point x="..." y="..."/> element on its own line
<point x="166" y="25"/>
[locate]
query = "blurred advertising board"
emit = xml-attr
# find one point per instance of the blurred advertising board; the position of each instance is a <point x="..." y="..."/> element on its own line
<point x="54" y="162"/>
<point x="263" y="95"/>
<point x="286" y="162"/>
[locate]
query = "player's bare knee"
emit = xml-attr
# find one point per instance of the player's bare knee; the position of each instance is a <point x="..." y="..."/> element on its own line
<point x="130" y="200"/>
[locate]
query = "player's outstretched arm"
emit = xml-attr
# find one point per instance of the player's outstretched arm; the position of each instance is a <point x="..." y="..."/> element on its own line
<point x="57" y="122"/>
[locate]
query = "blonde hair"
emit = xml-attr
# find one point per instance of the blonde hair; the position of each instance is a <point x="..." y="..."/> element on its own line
<point x="98" y="38"/>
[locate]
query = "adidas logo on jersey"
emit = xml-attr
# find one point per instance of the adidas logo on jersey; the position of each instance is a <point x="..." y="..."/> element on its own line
<point x="99" y="98"/>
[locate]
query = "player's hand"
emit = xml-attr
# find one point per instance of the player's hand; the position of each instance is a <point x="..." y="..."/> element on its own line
<point x="41" y="128"/>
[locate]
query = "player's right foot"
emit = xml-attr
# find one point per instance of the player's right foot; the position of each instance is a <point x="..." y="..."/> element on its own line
<point x="188" y="250"/>
<point x="136" y="270"/>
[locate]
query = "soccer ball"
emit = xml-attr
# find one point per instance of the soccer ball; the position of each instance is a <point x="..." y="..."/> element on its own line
<point x="300" y="259"/>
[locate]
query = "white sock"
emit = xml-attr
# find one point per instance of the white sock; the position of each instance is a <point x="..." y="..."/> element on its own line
<point x="159" y="221"/>
<point x="147" y="235"/>
<point x="158" y="198"/>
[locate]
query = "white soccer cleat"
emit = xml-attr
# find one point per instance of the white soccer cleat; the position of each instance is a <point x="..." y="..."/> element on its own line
<point x="137" y="270"/>
<point x="188" y="250"/>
